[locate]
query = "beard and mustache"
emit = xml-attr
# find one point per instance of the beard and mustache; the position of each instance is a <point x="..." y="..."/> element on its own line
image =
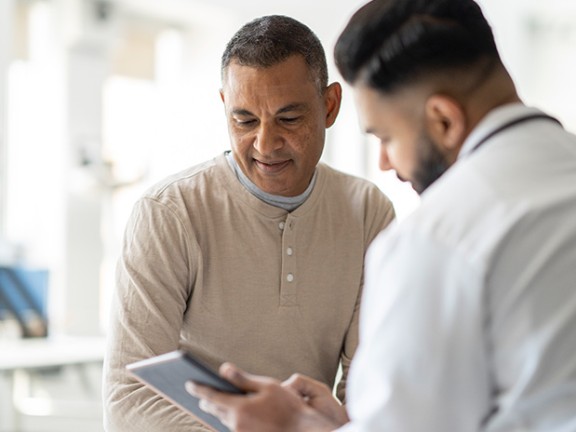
<point x="431" y="163"/>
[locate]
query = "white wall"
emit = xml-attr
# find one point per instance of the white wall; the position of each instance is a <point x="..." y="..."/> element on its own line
<point x="6" y="12"/>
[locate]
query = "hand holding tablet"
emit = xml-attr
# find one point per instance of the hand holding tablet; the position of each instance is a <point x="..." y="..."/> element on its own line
<point x="168" y="373"/>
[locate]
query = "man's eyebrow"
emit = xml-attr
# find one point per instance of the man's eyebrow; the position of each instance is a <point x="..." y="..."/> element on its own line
<point x="285" y="109"/>
<point x="242" y="112"/>
<point x="292" y="107"/>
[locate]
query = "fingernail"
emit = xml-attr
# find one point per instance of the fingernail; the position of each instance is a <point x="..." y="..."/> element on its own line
<point x="191" y="388"/>
<point x="227" y="371"/>
<point x="203" y="405"/>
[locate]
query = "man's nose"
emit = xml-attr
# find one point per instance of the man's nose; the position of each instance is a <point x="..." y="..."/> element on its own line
<point x="384" y="161"/>
<point x="267" y="139"/>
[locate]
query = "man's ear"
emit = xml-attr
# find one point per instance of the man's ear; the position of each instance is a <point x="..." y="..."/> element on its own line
<point x="332" y="99"/>
<point x="222" y="95"/>
<point x="446" y="123"/>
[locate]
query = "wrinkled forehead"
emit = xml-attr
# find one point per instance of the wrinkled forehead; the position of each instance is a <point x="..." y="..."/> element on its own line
<point x="292" y="72"/>
<point x="292" y="66"/>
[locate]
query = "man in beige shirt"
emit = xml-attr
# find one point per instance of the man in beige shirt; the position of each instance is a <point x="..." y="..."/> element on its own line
<point x="256" y="256"/>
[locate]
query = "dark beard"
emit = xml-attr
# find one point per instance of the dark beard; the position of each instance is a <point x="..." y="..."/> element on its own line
<point x="430" y="165"/>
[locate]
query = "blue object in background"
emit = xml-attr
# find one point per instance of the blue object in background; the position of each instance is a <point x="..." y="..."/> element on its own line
<point x="24" y="294"/>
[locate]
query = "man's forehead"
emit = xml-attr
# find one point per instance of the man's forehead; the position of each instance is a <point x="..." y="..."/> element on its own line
<point x="292" y="70"/>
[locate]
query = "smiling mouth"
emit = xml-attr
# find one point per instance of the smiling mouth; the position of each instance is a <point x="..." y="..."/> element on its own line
<point x="271" y="167"/>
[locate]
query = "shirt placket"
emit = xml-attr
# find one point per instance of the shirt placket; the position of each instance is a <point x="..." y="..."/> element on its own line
<point x="289" y="276"/>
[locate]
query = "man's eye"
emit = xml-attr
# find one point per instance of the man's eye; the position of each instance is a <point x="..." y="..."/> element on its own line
<point x="245" y="122"/>
<point x="290" y="120"/>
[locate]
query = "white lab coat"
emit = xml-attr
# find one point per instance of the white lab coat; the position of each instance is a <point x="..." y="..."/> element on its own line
<point x="468" y="320"/>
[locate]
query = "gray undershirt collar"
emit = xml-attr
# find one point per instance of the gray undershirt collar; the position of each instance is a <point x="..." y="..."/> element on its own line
<point x="286" y="203"/>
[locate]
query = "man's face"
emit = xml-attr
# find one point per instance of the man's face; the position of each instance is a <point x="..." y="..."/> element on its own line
<point x="277" y="121"/>
<point x="405" y="146"/>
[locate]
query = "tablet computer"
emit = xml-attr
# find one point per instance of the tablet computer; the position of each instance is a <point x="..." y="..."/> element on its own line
<point x="168" y="373"/>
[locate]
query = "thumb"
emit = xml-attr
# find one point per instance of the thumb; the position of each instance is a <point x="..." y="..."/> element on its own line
<point x="306" y="387"/>
<point x="243" y="380"/>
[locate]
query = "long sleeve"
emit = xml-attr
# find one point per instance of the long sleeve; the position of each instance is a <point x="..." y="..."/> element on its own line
<point x="350" y="346"/>
<point x="152" y="291"/>
<point x="378" y="218"/>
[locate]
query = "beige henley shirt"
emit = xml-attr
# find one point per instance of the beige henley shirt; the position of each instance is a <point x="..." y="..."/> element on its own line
<point x="208" y="267"/>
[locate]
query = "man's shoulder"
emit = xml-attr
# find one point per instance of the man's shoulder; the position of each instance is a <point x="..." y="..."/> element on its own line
<point x="203" y="176"/>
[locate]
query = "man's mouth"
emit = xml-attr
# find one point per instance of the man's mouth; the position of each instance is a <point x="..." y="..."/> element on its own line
<point x="272" y="166"/>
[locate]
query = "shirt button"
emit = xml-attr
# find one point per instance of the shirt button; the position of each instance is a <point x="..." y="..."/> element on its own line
<point x="289" y="251"/>
<point x="281" y="225"/>
<point x="290" y="277"/>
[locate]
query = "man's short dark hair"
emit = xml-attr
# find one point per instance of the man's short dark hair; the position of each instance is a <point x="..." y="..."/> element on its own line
<point x="269" y="40"/>
<point x="388" y="44"/>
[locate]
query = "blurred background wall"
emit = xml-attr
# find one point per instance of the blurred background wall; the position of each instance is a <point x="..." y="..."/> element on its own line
<point x="101" y="98"/>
